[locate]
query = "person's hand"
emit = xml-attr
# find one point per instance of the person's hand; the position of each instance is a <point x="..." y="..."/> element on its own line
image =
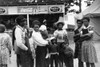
<point x="49" y="42"/>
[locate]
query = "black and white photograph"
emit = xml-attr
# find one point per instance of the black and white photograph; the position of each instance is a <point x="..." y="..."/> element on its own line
<point x="49" y="33"/>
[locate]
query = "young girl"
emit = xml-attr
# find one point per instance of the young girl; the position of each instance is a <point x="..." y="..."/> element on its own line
<point x="88" y="50"/>
<point x="53" y="53"/>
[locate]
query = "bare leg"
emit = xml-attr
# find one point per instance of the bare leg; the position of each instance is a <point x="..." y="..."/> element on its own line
<point x="60" y="64"/>
<point x="92" y="65"/>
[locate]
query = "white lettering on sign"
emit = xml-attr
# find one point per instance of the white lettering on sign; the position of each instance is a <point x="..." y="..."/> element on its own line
<point x="26" y="10"/>
<point x="55" y="8"/>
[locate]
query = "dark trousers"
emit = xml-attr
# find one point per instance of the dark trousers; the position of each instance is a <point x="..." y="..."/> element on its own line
<point x="80" y="63"/>
<point x="77" y="53"/>
<point x="54" y="59"/>
<point x="3" y="65"/>
<point x="61" y="59"/>
<point x="47" y="62"/>
<point x="40" y="56"/>
<point x="18" y="60"/>
<point x="26" y="59"/>
<point x="69" y="61"/>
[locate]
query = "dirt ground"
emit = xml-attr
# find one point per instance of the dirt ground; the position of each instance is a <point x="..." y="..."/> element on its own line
<point x="96" y="44"/>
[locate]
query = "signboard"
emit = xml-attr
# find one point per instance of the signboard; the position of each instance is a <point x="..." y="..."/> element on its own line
<point x="3" y="10"/>
<point x="12" y="10"/>
<point x="37" y="9"/>
<point x="56" y="9"/>
<point x="42" y="9"/>
<point x="33" y="9"/>
<point x="27" y="9"/>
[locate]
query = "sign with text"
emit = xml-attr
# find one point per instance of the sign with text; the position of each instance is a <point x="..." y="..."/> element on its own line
<point x="3" y="10"/>
<point x="42" y="9"/>
<point x="27" y="9"/>
<point x="56" y="8"/>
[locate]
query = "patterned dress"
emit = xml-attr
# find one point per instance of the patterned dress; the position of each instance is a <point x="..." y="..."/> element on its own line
<point x="88" y="50"/>
<point x="5" y="48"/>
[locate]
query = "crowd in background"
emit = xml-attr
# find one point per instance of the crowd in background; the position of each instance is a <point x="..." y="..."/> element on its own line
<point x="48" y="46"/>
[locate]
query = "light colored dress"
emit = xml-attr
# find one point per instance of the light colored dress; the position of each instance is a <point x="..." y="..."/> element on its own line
<point x="88" y="50"/>
<point x="5" y="47"/>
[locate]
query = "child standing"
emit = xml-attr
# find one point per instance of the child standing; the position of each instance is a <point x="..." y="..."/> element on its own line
<point x="53" y="53"/>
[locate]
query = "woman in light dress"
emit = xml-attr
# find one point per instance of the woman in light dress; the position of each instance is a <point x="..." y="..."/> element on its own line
<point x="89" y="55"/>
<point x="5" y="47"/>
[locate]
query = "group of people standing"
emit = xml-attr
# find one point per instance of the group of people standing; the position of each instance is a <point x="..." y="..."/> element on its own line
<point x="48" y="50"/>
<point x="84" y="46"/>
<point x="37" y="44"/>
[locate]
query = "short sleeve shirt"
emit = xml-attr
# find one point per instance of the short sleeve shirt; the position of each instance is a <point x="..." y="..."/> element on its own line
<point x="59" y="34"/>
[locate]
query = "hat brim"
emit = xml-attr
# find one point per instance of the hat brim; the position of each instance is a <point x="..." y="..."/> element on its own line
<point x="60" y="23"/>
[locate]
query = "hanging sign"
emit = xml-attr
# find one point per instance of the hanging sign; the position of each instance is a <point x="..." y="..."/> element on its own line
<point x="3" y="10"/>
<point x="42" y="9"/>
<point x="26" y="9"/>
<point x="56" y="8"/>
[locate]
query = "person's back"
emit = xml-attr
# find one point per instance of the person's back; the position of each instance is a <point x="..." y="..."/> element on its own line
<point x="5" y="41"/>
<point x="5" y="48"/>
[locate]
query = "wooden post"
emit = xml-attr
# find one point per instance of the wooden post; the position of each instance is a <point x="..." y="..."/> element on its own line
<point x="28" y="20"/>
<point x="80" y="9"/>
<point x="35" y="62"/>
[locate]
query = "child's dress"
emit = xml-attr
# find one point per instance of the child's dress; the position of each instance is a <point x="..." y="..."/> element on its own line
<point x="88" y="50"/>
<point x="53" y="54"/>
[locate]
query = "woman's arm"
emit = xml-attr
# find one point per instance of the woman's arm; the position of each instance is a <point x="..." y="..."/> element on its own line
<point x="9" y="44"/>
<point x="76" y="34"/>
<point x="90" y="30"/>
<point x="38" y="39"/>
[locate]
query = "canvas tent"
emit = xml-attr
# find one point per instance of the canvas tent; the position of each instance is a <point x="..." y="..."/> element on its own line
<point x="93" y="12"/>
